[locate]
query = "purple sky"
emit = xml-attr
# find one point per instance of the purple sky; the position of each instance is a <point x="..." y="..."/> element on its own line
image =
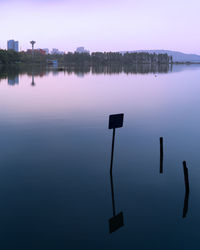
<point x="103" y="25"/>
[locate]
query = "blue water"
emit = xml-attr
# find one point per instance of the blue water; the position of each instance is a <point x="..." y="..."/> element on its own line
<point x="55" y="149"/>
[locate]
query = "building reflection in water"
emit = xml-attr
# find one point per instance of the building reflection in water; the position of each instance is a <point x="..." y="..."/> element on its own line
<point x="117" y="221"/>
<point x="13" y="80"/>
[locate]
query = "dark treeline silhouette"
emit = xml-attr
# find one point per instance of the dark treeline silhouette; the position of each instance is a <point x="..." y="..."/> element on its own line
<point x="129" y="58"/>
<point x="9" y="56"/>
<point x="95" y="58"/>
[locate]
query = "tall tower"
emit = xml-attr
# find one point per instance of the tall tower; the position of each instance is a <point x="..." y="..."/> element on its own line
<point x="32" y="43"/>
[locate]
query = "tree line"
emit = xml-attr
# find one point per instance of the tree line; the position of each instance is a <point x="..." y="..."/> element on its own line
<point x="95" y="58"/>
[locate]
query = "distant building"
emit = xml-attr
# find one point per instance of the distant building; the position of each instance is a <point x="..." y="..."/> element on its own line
<point x="37" y="51"/>
<point x="57" y="52"/>
<point x="16" y="46"/>
<point x="41" y="51"/>
<point x="82" y="50"/>
<point x="46" y="51"/>
<point x="13" y="45"/>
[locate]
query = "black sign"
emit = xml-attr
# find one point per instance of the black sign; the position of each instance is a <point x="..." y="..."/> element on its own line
<point x="116" y="222"/>
<point x="116" y="121"/>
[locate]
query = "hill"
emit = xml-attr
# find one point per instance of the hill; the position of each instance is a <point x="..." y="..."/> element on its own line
<point x="177" y="56"/>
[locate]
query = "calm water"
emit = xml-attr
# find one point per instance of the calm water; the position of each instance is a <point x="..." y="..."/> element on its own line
<point x="55" y="149"/>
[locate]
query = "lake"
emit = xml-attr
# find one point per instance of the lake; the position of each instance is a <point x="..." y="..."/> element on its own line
<point x="56" y="190"/>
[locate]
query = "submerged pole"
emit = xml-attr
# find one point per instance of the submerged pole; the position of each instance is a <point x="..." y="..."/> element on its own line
<point x="161" y="155"/>
<point x="187" y="189"/>
<point x="185" y="170"/>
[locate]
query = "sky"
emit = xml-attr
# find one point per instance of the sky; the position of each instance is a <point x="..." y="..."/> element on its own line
<point x="102" y="25"/>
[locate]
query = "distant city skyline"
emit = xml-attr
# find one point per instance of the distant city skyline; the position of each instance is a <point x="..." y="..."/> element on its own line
<point x="14" y="45"/>
<point x="102" y="25"/>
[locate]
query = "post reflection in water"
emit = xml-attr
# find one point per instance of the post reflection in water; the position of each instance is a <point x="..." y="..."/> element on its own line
<point x="33" y="80"/>
<point x="187" y="190"/>
<point x="117" y="221"/>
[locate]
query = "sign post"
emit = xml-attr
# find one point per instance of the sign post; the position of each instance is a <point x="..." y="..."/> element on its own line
<point x="117" y="221"/>
<point x="115" y="121"/>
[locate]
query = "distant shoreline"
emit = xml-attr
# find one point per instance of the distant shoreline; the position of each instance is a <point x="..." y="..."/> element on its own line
<point x="89" y="64"/>
<point x="186" y="63"/>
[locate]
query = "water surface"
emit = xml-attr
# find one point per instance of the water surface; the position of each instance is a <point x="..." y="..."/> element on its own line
<point x="55" y="149"/>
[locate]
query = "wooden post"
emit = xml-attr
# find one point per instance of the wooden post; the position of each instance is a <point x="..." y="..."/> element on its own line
<point x="187" y="189"/>
<point x="161" y="155"/>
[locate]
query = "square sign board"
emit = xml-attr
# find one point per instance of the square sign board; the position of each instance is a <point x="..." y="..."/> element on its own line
<point x="116" y="121"/>
<point x="116" y="222"/>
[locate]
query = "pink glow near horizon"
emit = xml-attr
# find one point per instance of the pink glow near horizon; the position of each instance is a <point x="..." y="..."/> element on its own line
<point x="66" y="96"/>
<point x="102" y="25"/>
